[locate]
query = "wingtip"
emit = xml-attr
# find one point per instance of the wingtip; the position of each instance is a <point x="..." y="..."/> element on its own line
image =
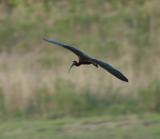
<point x="126" y="80"/>
<point x="123" y="78"/>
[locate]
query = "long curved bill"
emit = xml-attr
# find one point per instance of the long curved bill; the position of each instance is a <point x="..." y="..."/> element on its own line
<point x="71" y="67"/>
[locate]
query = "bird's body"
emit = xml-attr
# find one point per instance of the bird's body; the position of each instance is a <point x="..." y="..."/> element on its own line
<point x="84" y="59"/>
<point x="81" y="62"/>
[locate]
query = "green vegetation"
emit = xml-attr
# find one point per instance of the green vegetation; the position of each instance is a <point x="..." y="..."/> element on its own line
<point x="150" y="97"/>
<point x="144" y="127"/>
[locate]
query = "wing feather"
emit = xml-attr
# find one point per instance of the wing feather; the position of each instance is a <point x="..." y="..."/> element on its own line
<point x="111" y="69"/>
<point x="76" y="51"/>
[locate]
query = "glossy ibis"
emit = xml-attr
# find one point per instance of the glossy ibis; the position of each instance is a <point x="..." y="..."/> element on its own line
<point x="85" y="59"/>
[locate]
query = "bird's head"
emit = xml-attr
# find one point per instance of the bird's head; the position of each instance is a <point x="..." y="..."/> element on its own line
<point x="74" y="63"/>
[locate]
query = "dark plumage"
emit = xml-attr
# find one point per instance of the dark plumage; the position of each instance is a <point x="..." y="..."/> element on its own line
<point x="85" y="59"/>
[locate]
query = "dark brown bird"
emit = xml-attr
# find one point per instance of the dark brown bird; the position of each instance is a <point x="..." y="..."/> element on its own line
<point x="84" y="59"/>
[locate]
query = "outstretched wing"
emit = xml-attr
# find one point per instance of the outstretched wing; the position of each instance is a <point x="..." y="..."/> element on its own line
<point x="79" y="53"/>
<point x="110" y="69"/>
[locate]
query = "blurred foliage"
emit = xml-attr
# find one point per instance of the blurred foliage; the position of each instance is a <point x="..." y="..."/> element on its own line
<point x="125" y="32"/>
<point x="150" y="97"/>
<point x="68" y="102"/>
<point x="2" y="103"/>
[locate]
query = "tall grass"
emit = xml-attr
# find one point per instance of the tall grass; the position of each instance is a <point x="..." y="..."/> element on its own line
<point x="34" y="81"/>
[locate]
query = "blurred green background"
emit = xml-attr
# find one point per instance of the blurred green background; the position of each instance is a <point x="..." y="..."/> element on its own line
<point x="40" y="99"/>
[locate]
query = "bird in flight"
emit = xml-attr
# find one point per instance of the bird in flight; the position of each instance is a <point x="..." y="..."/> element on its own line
<point x="84" y="59"/>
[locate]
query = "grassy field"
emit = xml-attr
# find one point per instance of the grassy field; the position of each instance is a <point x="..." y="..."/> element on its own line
<point x="119" y="127"/>
<point x="39" y="99"/>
